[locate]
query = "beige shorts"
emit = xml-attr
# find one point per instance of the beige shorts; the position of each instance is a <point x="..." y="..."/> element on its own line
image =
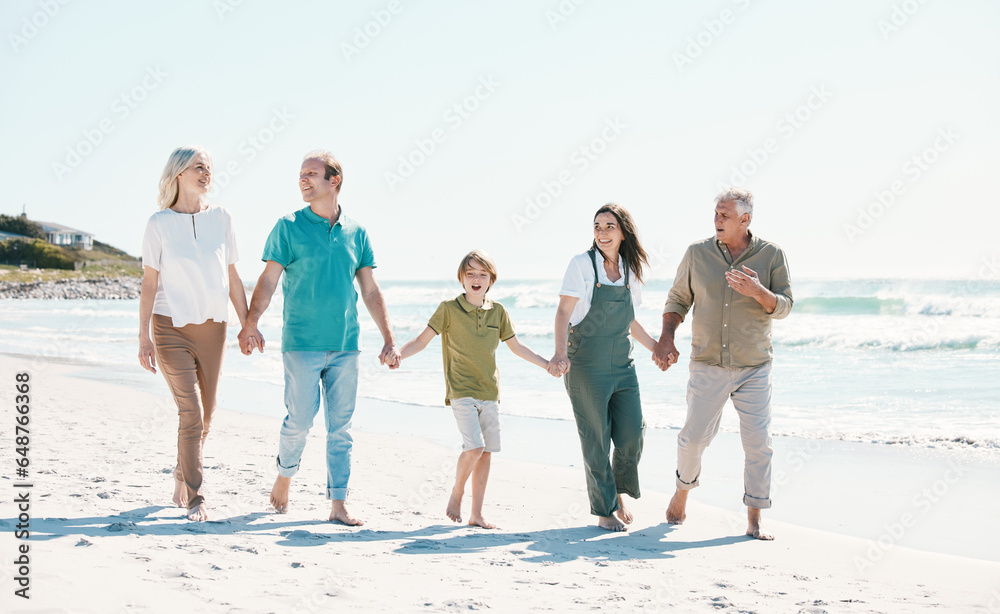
<point x="478" y="422"/>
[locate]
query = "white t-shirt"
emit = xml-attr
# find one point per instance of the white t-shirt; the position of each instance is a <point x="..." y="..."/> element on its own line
<point x="192" y="253"/>
<point x="579" y="283"/>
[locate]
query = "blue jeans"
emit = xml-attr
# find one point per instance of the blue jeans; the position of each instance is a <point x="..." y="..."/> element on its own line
<point x="306" y="374"/>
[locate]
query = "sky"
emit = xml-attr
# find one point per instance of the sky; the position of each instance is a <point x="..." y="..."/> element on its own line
<point x="866" y="129"/>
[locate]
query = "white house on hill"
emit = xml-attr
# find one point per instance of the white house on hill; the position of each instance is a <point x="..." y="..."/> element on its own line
<point x="57" y="234"/>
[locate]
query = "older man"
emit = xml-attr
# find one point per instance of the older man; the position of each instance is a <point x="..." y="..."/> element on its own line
<point x="321" y="252"/>
<point x="734" y="284"/>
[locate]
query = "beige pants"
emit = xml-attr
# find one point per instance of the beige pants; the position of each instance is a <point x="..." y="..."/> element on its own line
<point x="708" y="390"/>
<point x="190" y="358"/>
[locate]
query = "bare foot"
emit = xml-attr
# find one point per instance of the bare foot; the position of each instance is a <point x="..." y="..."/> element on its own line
<point x="180" y="494"/>
<point x="477" y="520"/>
<point x="279" y="494"/>
<point x="676" y="509"/>
<point x="198" y="513"/>
<point x="623" y="512"/>
<point x="339" y="513"/>
<point x="454" y="509"/>
<point x="611" y="523"/>
<point x="753" y="525"/>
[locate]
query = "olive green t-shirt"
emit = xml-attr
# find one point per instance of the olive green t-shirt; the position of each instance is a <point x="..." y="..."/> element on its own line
<point x="469" y="339"/>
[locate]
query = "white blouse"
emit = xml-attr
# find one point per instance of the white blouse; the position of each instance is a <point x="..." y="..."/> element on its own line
<point x="579" y="283"/>
<point x="192" y="253"/>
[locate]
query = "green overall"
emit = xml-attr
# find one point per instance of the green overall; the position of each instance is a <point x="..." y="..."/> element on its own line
<point x="604" y="391"/>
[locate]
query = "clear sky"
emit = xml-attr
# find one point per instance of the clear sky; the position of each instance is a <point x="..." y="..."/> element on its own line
<point x="867" y="129"/>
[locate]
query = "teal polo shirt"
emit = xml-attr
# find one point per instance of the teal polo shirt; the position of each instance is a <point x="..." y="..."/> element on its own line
<point x="320" y="260"/>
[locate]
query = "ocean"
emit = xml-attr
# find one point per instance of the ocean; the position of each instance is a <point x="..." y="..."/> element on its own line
<point x="890" y="362"/>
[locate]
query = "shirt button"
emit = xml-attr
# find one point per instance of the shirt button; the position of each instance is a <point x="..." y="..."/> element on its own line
<point x="569" y="343"/>
<point x="723" y="345"/>
<point x="725" y="325"/>
<point x="727" y="304"/>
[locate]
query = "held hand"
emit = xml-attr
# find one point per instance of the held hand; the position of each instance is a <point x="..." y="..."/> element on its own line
<point x="558" y="365"/>
<point x="665" y="353"/>
<point x="746" y="282"/>
<point x="390" y="355"/>
<point x="556" y="368"/>
<point x="553" y="368"/>
<point x="147" y="354"/>
<point x="249" y="339"/>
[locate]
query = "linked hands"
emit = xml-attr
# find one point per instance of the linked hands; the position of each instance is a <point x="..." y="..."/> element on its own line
<point x="250" y="338"/>
<point x="665" y="352"/>
<point x="558" y="366"/>
<point x="390" y="355"/>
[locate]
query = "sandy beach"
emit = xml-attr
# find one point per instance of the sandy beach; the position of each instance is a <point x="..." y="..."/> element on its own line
<point x="104" y="538"/>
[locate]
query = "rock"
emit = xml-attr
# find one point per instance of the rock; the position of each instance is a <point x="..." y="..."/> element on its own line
<point x="113" y="288"/>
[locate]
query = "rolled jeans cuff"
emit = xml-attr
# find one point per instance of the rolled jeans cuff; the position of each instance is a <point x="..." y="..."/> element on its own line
<point x="682" y="485"/>
<point x="754" y="502"/>
<point x="285" y="472"/>
<point x="336" y="494"/>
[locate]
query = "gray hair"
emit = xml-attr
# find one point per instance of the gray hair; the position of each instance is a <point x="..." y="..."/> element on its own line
<point x="742" y="198"/>
<point x="178" y="161"/>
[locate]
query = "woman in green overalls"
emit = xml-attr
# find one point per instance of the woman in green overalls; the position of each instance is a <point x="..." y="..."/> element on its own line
<point x="596" y="313"/>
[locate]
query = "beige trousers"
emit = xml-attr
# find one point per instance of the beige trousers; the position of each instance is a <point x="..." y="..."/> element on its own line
<point x="708" y="390"/>
<point x="190" y="358"/>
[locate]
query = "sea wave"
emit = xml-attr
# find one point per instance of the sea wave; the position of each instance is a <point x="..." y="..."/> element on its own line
<point x="901" y="334"/>
<point x="934" y="305"/>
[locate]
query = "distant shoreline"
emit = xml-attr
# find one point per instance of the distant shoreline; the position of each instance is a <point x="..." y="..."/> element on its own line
<point x="121" y="288"/>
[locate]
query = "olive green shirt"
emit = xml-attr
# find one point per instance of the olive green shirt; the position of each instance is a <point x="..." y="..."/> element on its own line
<point x="469" y="339"/>
<point x="729" y="329"/>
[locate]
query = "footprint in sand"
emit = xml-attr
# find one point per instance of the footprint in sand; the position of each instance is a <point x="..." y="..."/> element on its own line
<point x="461" y="605"/>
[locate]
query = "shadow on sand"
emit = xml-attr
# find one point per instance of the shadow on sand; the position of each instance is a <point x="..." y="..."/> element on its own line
<point x="555" y="545"/>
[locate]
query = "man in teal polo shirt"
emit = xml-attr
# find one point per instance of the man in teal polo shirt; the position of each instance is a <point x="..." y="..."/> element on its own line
<point x="321" y="252"/>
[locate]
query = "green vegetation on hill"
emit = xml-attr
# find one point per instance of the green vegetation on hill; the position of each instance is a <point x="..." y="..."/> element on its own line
<point x="20" y="226"/>
<point x="103" y="260"/>
<point x="36" y="253"/>
<point x="104" y="248"/>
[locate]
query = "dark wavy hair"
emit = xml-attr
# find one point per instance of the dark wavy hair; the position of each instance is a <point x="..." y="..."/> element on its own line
<point x="630" y="249"/>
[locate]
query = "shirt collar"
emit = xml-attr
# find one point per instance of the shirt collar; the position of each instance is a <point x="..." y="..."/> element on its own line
<point x="316" y="219"/>
<point x="469" y="307"/>
<point x="750" y="245"/>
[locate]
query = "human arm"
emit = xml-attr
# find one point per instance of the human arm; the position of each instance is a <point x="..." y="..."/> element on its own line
<point x="639" y="334"/>
<point x="147" y="293"/>
<point x="747" y="283"/>
<point x="371" y="294"/>
<point x="665" y="352"/>
<point x="679" y="302"/>
<point x="522" y="351"/>
<point x="250" y="336"/>
<point x="559" y="364"/>
<point x="417" y="343"/>
<point x="238" y="294"/>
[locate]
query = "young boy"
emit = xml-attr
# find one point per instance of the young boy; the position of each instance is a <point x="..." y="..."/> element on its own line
<point x="471" y="327"/>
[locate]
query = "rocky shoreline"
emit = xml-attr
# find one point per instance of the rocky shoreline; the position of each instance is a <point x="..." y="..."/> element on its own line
<point x="101" y="288"/>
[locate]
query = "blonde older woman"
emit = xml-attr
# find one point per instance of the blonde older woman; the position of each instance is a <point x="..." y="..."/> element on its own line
<point x="189" y="275"/>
